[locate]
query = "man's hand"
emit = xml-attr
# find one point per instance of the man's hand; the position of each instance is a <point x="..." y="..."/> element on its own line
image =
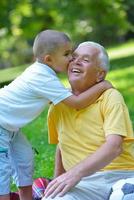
<point x="62" y="184"/>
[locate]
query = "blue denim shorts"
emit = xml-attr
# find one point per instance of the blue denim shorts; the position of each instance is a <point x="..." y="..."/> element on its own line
<point x="16" y="160"/>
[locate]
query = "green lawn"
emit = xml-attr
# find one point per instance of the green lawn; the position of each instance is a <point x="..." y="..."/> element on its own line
<point x="121" y="75"/>
<point x="122" y="72"/>
<point x="7" y="75"/>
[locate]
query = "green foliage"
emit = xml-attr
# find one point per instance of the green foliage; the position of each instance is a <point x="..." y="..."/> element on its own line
<point x="103" y="21"/>
<point x="82" y="19"/>
<point x="129" y="7"/>
<point x="14" y="51"/>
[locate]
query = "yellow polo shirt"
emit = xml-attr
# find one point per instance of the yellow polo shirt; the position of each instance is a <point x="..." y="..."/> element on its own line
<point x="81" y="132"/>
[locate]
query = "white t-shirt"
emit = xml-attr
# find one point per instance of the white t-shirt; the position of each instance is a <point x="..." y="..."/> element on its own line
<point x="25" y="98"/>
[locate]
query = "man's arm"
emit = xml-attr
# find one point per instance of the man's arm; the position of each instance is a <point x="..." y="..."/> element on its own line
<point x="59" y="169"/>
<point x="88" y="97"/>
<point x="111" y="149"/>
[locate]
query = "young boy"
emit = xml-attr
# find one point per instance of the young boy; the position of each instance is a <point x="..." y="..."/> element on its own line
<point x="25" y="98"/>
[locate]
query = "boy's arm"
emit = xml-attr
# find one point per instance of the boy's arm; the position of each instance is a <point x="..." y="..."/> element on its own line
<point x="88" y="97"/>
<point x="59" y="169"/>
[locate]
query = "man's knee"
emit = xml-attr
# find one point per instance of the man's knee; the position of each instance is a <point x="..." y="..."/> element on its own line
<point x="65" y="197"/>
<point x="129" y="196"/>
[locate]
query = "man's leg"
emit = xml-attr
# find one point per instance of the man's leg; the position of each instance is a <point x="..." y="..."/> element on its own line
<point x="129" y="197"/>
<point x="65" y="197"/>
<point x="84" y="190"/>
<point x="89" y="188"/>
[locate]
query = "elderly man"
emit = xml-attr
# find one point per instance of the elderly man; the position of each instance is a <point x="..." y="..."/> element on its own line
<point x="95" y="145"/>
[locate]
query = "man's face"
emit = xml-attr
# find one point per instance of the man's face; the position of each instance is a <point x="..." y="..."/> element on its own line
<point x="83" y="69"/>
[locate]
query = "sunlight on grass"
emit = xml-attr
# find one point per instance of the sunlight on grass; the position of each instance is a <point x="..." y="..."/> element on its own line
<point x="11" y="73"/>
<point x="126" y="49"/>
<point x="122" y="78"/>
<point x="123" y="81"/>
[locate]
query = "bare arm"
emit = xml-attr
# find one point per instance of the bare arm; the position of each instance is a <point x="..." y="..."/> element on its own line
<point x="88" y="97"/>
<point x="111" y="149"/>
<point x="59" y="169"/>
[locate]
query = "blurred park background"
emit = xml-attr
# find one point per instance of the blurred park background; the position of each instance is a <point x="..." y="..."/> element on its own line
<point x="109" y="22"/>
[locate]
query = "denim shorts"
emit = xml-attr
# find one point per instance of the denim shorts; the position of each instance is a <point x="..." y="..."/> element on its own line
<point x="16" y="160"/>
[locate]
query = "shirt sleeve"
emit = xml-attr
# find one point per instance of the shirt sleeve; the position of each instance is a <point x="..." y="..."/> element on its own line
<point x="55" y="91"/>
<point x="116" y="116"/>
<point x="49" y="87"/>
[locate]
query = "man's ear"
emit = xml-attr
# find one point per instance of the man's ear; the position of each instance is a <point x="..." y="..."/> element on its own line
<point x="48" y="59"/>
<point x="100" y="75"/>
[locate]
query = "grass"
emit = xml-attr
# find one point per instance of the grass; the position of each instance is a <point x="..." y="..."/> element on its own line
<point x="121" y="75"/>
<point x="122" y="72"/>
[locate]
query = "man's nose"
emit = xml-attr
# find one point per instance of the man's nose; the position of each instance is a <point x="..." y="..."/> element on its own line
<point x="77" y="60"/>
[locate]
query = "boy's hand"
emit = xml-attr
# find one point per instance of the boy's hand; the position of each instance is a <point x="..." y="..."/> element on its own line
<point x="106" y="84"/>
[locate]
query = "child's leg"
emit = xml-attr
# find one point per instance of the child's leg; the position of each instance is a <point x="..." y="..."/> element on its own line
<point x="5" y="163"/>
<point x="38" y="189"/>
<point x="4" y="197"/>
<point x="14" y="196"/>
<point x="22" y="162"/>
<point x="25" y="193"/>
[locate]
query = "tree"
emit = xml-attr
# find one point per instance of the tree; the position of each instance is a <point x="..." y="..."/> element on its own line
<point x="103" y="21"/>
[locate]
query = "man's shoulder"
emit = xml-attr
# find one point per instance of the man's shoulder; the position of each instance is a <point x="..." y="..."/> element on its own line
<point x="113" y="95"/>
<point x="112" y="92"/>
<point x="60" y="107"/>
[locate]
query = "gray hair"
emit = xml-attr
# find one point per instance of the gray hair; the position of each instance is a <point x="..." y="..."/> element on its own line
<point x="102" y="56"/>
<point x="47" y="42"/>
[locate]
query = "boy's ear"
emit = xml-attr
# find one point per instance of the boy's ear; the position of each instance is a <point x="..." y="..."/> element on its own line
<point x="100" y="75"/>
<point x="47" y="59"/>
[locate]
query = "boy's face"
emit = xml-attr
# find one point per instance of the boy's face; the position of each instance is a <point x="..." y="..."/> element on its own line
<point x="61" y="58"/>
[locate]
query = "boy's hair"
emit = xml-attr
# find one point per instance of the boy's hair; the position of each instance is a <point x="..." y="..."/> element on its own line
<point x="47" y="42"/>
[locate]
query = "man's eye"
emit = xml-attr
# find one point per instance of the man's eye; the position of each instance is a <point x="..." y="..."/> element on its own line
<point x="73" y="58"/>
<point x="86" y="59"/>
<point x="67" y="54"/>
